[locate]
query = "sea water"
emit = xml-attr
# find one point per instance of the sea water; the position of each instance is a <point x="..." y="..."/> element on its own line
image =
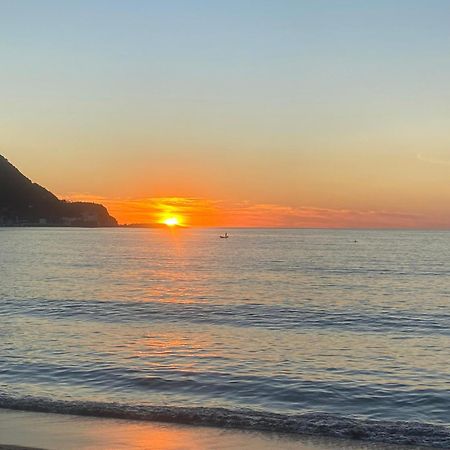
<point x="336" y="332"/>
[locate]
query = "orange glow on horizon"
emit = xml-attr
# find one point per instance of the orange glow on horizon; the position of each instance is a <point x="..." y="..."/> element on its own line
<point x="199" y="212"/>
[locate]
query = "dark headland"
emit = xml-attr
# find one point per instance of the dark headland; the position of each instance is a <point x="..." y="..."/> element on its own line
<point x="24" y="203"/>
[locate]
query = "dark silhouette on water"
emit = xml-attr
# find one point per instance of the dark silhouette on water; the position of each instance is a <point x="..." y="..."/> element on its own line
<point x="24" y="203"/>
<point x="224" y="236"/>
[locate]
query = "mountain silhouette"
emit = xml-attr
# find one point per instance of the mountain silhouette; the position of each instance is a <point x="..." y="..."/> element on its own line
<point x="24" y="203"/>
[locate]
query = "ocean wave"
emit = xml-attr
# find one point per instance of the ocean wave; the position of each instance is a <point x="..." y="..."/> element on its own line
<point x="405" y="433"/>
<point x="271" y="317"/>
<point x="276" y="393"/>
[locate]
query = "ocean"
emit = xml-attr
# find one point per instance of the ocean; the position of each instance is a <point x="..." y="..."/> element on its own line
<point x="331" y="332"/>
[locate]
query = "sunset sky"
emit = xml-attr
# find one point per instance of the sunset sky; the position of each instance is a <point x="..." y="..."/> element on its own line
<point x="289" y="113"/>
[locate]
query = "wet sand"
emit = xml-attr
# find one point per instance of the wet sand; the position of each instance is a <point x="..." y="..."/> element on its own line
<point x="20" y="429"/>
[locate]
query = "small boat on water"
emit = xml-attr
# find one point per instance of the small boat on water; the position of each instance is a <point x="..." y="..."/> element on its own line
<point x="224" y="236"/>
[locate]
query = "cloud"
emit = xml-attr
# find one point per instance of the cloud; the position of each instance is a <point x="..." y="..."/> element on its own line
<point x="194" y="211"/>
<point x="438" y="161"/>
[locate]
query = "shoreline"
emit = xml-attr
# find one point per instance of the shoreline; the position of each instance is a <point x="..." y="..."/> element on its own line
<point x="18" y="447"/>
<point x="24" y="430"/>
<point x="317" y="425"/>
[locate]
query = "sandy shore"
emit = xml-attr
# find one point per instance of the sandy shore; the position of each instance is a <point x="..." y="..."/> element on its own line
<point x="19" y="430"/>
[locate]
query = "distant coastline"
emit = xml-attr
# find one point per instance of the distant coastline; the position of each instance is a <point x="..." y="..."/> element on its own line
<point x="27" y="204"/>
<point x="143" y="225"/>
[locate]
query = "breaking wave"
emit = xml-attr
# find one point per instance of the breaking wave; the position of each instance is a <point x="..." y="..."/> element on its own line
<point x="398" y="432"/>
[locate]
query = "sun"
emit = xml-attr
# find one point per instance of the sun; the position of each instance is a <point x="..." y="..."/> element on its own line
<point x="171" y="221"/>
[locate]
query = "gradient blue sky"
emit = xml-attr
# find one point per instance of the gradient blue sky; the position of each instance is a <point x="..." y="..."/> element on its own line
<point x="341" y="105"/>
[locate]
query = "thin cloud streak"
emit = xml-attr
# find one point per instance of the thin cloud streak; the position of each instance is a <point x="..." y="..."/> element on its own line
<point x="442" y="162"/>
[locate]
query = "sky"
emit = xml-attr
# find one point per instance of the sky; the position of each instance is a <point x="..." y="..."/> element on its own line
<point x="284" y="113"/>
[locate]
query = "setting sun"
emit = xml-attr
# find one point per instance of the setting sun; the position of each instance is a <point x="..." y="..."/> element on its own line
<point x="171" y="221"/>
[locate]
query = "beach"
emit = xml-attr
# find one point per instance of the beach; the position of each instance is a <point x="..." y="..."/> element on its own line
<point x="224" y="225"/>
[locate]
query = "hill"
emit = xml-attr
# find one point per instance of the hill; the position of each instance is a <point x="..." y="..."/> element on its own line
<point x="24" y="203"/>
